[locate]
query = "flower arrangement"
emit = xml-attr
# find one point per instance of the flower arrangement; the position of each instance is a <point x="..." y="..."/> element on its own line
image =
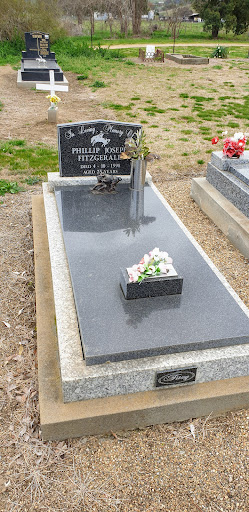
<point x="233" y="146"/>
<point x="135" y="148"/>
<point x="53" y="100"/>
<point x="155" y="263"/>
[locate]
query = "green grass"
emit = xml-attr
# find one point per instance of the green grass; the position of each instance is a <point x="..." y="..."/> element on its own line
<point x="117" y="106"/>
<point x="98" y="84"/>
<point x="21" y="159"/>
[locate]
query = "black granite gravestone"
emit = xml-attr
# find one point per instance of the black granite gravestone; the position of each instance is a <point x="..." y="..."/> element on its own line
<point x="92" y="147"/>
<point x="37" y="45"/>
<point x="37" y="60"/>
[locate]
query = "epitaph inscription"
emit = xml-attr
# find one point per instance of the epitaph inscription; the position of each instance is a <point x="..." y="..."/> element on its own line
<point x="37" y="45"/>
<point x="93" y="147"/>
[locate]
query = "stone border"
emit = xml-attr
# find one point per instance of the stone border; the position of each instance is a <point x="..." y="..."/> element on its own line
<point x="188" y="59"/>
<point x="232" y="222"/>
<point x="80" y="382"/>
<point x="100" y="416"/>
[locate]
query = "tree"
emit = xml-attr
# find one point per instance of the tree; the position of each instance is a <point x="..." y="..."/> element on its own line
<point x="19" y="16"/>
<point x="230" y="14"/>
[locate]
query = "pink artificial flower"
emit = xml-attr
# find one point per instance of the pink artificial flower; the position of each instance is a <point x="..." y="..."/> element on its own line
<point x="140" y="268"/>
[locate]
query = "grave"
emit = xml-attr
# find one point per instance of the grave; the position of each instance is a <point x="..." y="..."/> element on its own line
<point x="224" y="196"/>
<point x="186" y="59"/>
<point x="126" y="363"/>
<point x="38" y="61"/>
<point x="150" y="54"/>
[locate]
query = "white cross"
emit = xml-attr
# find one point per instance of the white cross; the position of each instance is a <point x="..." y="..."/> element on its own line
<point x="52" y="86"/>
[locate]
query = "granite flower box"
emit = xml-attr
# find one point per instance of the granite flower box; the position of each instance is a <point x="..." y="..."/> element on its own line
<point x="154" y="286"/>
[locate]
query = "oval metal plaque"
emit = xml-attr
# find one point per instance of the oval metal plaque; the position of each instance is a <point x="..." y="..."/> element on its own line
<point x="174" y="377"/>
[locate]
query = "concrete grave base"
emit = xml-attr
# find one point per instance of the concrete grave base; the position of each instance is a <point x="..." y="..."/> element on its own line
<point x="102" y="415"/>
<point x="233" y="223"/>
<point x="29" y="84"/>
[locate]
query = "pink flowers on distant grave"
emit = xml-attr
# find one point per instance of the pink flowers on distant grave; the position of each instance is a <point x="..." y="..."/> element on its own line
<point x="233" y="146"/>
<point x="156" y="263"/>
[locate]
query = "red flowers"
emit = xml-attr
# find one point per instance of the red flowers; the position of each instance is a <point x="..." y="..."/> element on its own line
<point x="234" y="147"/>
<point x="215" y="140"/>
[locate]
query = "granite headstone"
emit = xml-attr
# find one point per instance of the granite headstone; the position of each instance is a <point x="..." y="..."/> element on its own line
<point x="37" y="45"/>
<point x="92" y="147"/>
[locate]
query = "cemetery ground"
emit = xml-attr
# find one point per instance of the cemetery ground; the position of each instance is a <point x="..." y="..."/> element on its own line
<point x="197" y="465"/>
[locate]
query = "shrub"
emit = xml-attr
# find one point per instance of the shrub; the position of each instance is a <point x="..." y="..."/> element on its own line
<point x="221" y="52"/>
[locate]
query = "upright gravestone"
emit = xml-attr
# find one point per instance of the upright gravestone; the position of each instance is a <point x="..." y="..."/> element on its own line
<point x="38" y="61"/>
<point x="92" y="147"/>
<point x="37" y="45"/>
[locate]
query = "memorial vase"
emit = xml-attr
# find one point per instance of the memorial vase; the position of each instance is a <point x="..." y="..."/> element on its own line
<point x="138" y="173"/>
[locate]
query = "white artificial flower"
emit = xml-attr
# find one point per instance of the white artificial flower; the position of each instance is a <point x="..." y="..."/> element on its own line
<point x="238" y="136"/>
<point x="224" y="133"/>
<point x="163" y="268"/>
<point x="164" y="255"/>
<point x="155" y="252"/>
<point x="146" y="259"/>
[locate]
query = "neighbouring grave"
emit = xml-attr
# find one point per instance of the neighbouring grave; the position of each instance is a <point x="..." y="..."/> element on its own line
<point x="186" y="58"/>
<point x="37" y="61"/>
<point x="151" y="55"/>
<point x="109" y="346"/>
<point x="224" y="196"/>
<point x="91" y="147"/>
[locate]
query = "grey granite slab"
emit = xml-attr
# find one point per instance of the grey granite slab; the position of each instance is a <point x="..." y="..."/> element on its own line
<point x="241" y="171"/>
<point x="231" y="187"/>
<point x="81" y="382"/>
<point x="100" y="236"/>
<point x="223" y="162"/>
<point x="33" y="64"/>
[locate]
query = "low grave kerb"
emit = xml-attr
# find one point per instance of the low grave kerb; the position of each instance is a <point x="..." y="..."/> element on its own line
<point x="186" y="59"/>
<point x="82" y="382"/>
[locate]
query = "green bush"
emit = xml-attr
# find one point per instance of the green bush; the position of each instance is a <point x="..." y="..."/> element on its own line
<point x="221" y="52"/>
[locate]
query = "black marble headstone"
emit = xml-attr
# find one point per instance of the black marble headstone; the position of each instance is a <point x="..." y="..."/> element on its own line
<point x="92" y="147"/>
<point x="37" y="45"/>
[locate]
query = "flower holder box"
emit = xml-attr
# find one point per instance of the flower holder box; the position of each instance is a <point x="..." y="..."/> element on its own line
<point x="150" y="287"/>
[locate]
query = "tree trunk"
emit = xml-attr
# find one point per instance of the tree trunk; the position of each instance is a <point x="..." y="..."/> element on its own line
<point x="92" y="23"/>
<point x="138" y="7"/>
<point x="215" y="32"/>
